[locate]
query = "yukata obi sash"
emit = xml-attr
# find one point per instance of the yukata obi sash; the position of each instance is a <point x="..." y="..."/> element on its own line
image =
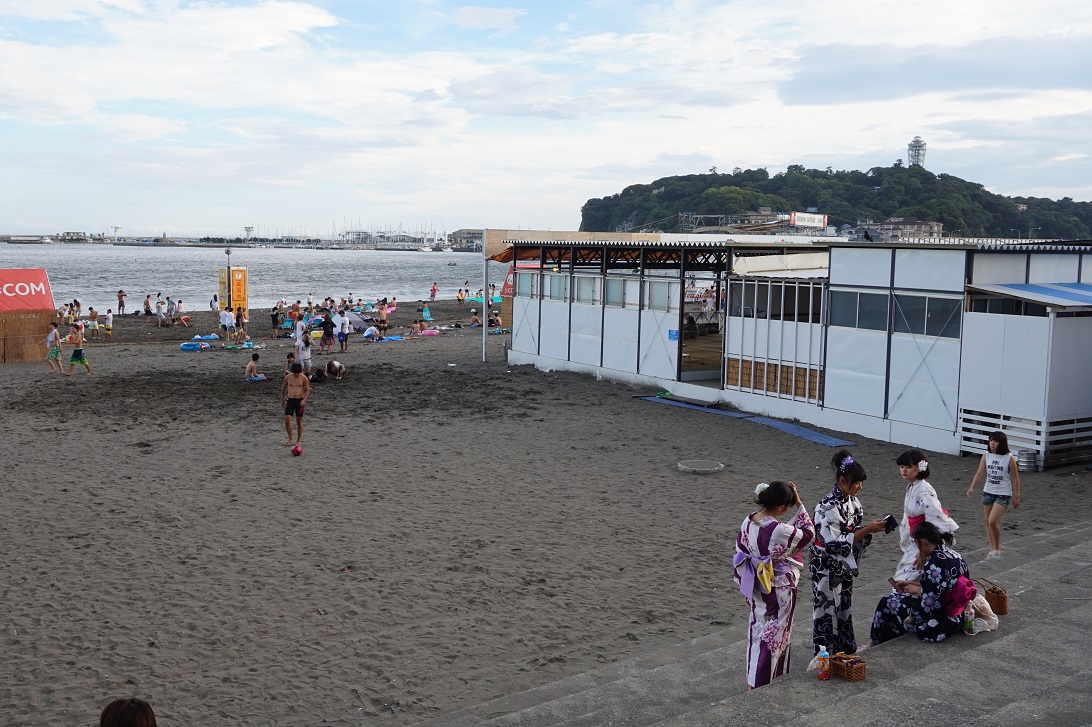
<point x="760" y="568"/>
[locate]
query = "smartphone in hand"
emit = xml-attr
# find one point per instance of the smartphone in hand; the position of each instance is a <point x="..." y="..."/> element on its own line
<point x="890" y="523"/>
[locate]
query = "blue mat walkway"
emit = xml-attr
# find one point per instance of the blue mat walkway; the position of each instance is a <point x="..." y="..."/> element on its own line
<point x="794" y="429"/>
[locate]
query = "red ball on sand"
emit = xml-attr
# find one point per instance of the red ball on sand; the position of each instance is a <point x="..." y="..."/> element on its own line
<point x="297" y="450"/>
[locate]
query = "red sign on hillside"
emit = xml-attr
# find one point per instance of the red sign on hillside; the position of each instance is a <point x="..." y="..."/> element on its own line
<point x="25" y="289"/>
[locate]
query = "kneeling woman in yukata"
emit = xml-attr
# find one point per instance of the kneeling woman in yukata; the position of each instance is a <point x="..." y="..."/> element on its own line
<point x="767" y="565"/>
<point x="841" y="536"/>
<point x="933" y="607"/>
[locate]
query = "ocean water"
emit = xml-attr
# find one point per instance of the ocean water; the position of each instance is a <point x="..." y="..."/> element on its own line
<point x="92" y="274"/>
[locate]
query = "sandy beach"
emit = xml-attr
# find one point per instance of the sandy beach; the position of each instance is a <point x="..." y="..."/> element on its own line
<point x="455" y="530"/>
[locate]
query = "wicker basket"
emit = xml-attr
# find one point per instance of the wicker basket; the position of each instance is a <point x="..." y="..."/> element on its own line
<point x="841" y="667"/>
<point x="996" y="596"/>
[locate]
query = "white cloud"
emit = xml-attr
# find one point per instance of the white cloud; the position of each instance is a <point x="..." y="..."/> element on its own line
<point x="208" y="98"/>
<point x="65" y="9"/>
<point x="474" y="17"/>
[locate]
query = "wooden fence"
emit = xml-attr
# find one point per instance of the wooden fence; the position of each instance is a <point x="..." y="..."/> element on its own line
<point x="23" y="334"/>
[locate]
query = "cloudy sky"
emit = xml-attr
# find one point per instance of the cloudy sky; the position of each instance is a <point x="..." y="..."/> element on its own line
<point x="304" y="116"/>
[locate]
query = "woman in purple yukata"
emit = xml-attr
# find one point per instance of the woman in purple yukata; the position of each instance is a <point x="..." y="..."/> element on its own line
<point x="767" y="565"/>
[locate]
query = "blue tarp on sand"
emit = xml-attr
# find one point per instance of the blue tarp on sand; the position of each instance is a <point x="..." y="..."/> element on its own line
<point x="794" y="429"/>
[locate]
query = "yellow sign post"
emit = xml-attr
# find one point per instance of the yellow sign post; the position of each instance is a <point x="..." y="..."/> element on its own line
<point x="239" y="290"/>
<point x="223" y="289"/>
<point x="233" y="289"/>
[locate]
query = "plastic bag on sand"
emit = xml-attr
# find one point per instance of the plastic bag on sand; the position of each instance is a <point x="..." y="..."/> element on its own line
<point x="986" y="619"/>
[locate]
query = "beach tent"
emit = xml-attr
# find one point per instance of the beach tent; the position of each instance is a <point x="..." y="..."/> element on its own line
<point x="358" y="321"/>
<point x="26" y="309"/>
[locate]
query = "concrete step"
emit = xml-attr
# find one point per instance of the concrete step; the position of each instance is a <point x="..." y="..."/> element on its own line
<point x="692" y="676"/>
<point x="1000" y="677"/>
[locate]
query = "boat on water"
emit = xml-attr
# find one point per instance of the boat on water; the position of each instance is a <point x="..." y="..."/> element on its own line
<point x="452" y="264"/>
<point x="425" y="248"/>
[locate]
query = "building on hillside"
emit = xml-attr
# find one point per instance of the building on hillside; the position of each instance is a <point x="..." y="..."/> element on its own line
<point x="928" y="344"/>
<point x="904" y="228"/>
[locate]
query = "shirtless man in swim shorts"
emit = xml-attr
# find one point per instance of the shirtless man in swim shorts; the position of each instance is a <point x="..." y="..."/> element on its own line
<point x="294" y="392"/>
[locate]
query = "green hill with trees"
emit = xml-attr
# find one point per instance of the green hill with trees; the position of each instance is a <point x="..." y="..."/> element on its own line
<point x="965" y="208"/>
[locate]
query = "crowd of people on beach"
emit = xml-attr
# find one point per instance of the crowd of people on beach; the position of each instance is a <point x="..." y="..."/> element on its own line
<point x="932" y="594"/>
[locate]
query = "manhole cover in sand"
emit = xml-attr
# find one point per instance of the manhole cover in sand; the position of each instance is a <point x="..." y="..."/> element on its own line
<point x="700" y="466"/>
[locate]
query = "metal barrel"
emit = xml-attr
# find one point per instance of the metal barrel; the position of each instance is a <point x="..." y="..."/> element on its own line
<point x="1026" y="460"/>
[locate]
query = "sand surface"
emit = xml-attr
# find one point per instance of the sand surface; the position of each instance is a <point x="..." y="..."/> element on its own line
<point x="454" y="531"/>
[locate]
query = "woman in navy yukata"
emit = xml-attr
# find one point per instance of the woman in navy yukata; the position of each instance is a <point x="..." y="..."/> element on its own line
<point x="933" y="607"/>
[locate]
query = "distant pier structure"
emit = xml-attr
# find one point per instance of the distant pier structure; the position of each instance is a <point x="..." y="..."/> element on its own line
<point x="915" y="152"/>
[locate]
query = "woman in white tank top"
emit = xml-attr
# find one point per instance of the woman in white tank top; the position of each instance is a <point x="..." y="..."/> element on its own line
<point x="1002" y="487"/>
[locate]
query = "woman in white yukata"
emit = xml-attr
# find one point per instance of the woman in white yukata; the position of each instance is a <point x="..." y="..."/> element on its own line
<point x="767" y="565"/>
<point x="920" y="504"/>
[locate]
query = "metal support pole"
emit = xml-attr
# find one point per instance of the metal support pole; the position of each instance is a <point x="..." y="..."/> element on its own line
<point x="230" y="308"/>
<point x="487" y="299"/>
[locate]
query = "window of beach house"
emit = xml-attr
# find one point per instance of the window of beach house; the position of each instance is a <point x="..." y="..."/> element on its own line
<point x="780" y="305"/>
<point x="942" y="317"/>
<point x="525" y="284"/>
<point x="659" y="296"/>
<point x="910" y="314"/>
<point x="926" y="315"/>
<point x="586" y="289"/>
<point x="850" y="309"/>
<point x="843" y="309"/>
<point x="872" y="311"/>
<point x="801" y="302"/>
<point x="557" y="286"/>
<point x="614" y="292"/>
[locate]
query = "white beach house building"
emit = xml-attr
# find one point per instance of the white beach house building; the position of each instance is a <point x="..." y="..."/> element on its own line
<point x="932" y="344"/>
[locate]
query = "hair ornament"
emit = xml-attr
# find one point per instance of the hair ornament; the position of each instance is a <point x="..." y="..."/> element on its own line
<point x="762" y="487"/>
<point x="846" y="462"/>
<point x="923" y="465"/>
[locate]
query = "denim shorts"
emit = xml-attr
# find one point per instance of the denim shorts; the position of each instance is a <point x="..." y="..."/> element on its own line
<point x="1002" y="500"/>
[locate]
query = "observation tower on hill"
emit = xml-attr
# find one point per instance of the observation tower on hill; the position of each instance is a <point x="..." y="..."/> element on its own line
<point x="915" y="152"/>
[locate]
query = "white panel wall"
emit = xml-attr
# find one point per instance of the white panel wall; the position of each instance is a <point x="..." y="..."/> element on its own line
<point x="659" y="355"/>
<point x="1070" y="394"/>
<point x="856" y="370"/>
<point x="924" y="383"/>
<point x="1004" y="364"/>
<point x="860" y="266"/>
<point x="632" y="293"/>
<point x="620" y="339"/>
<point x="555" y="329"/>
<point x="525" y="325"/>
<point x="930" y="269"/>
<point x="747" y="337"/>
<point x="1086" y="269"/>
<point x="1053" y="268"/>
<point x="584" y="341"/>
<point x="809" y="342"/>
<point x="990" y="268"/>
<point x="733" y="335"/>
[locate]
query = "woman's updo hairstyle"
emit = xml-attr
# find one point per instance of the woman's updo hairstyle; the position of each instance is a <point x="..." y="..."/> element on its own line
<point x="776" y="494"/>
<point x="845" y="466"/>
<point x="910" y="458"/>
<point x="928" y="531"/>
<point x="127" y="712"/>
